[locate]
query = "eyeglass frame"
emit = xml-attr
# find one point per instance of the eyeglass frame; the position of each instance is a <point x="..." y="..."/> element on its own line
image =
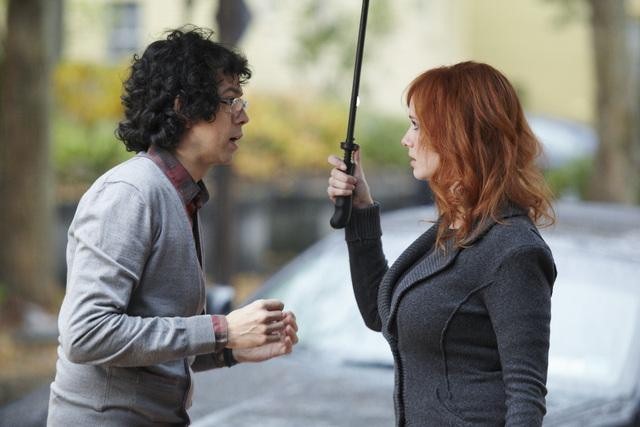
<point x="235" y="101"/>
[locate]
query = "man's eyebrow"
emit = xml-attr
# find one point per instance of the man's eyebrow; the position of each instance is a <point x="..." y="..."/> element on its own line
<point x="233" y="90"/>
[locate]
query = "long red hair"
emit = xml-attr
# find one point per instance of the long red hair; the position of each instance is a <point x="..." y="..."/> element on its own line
<point x="470" y="115"/>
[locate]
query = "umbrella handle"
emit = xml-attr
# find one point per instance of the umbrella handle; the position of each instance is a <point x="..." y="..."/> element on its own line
<point x="342" y="208"/>
<point x="342" y="212"/>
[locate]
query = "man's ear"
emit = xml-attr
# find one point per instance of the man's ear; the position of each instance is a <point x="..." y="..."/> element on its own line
<point x="177" y="107"/>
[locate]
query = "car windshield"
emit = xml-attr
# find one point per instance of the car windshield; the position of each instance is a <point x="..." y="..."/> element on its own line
<point x="595" y="310"/>
<point x="318" y="289"/>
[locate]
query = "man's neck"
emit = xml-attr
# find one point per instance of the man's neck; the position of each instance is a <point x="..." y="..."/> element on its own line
<point x="195" y="168"/>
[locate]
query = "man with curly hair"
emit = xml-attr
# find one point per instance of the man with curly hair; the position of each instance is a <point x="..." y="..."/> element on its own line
<point x="133" y="324"/>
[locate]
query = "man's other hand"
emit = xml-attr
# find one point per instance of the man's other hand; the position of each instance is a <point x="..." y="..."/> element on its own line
<point x="286" y="340"/>
<point x="261" y="322"/>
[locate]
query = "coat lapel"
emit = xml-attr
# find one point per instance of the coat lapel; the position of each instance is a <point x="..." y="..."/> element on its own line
<point x="433" y="265"/>
<point x="404" y="261"/>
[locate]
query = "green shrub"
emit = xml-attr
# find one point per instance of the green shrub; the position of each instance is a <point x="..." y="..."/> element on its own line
<point x="87" y="107"/>
<point x="88" y="93"/>
<point x="572" y="179"/>
<point x="287" y="135"/>
<point x="380" y="137"/>
<point x="82" y="153"/>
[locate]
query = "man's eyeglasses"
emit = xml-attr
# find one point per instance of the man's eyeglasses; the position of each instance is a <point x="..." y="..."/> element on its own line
<point x="236" y="105"/>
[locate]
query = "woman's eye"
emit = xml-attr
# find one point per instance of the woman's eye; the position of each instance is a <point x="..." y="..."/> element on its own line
<point x="414" y="125"/>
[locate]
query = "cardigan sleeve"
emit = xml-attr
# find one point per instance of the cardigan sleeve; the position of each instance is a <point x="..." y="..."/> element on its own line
<point x="110" y="240"/>
<point x="367" y="261"/>
<point x="205" y="362"/>
<point x="519" y="305"/>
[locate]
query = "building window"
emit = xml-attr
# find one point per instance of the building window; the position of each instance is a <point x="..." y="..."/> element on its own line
<point x="124" y="30"/>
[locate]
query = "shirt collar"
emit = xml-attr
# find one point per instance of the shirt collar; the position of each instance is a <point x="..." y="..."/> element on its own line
<point x="190" y="192"/>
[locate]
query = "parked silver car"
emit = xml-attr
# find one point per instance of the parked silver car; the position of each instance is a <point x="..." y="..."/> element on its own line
<point x="341" y="373"/>
<point x="563" y="141"/>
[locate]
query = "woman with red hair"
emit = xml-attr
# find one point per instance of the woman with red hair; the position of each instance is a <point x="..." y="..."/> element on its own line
<point x="466" y="307"/>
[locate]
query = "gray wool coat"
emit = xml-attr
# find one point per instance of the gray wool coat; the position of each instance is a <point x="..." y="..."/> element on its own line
<point x="468" y="329"/>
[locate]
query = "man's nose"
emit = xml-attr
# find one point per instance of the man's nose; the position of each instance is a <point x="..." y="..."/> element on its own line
<point x="243" y="117"/>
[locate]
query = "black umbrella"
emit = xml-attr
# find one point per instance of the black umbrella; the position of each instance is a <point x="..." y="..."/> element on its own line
<point x="342" y="211"/>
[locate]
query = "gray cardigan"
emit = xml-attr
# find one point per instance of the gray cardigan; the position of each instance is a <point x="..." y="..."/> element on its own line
<point x="469" y="329"/>
<point x="132" y="321"/>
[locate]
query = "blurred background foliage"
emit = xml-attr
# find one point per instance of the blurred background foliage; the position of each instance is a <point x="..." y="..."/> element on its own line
<point x="327" y="40"/>
<point x="85" y="114"/>
<point x="571" y="180"/>
<point x="293" y="133"/>
<point x="85" y="92"/>
<point x="288" y="133"/>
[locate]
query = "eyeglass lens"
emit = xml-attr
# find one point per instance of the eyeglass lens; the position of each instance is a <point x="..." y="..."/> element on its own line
<point x="238" y="105"/>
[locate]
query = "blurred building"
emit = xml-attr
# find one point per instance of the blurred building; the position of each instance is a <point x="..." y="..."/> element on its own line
<point x="111" y="30"/>
<point x="543" y="46"/>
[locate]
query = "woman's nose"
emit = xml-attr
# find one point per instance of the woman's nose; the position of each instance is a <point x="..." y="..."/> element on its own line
<point x="405" y="141"/>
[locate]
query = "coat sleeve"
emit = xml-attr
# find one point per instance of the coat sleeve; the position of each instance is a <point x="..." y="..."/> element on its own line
<point x="519" y="305"/>
<point x="110" y="240"/>
<point x="367" y="262"/>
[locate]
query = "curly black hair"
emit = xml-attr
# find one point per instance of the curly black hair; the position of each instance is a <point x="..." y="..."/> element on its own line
<point x="187" y="66"/>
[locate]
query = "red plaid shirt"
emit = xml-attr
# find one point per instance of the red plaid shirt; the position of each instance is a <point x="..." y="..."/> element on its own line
<point x="193" y="195"/>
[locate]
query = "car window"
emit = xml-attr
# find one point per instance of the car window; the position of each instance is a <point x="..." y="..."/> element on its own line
<point x="595" y="327"/>
<point x="317" y="287"/>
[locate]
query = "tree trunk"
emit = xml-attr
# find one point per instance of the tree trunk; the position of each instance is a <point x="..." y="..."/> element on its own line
<point x="634" y="94"/>
<point x="26" y="217"/>
<point x="233" y="18"/>
<point x="613" y="178"/>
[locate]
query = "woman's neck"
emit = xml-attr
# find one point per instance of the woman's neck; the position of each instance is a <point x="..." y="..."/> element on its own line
<point x="457" y="223"/>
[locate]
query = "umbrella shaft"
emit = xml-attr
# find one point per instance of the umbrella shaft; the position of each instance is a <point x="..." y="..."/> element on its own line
<point x="356" y="72"/>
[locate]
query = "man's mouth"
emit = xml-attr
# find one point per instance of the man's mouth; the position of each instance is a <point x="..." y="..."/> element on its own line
<point x="235" y="139"/>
